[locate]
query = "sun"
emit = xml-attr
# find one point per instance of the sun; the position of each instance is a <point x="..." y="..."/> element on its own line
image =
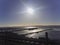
<point x="30" y="10"/>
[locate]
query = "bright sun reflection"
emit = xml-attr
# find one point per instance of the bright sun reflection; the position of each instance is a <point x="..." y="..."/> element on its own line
<point x="30" y="27"/>
<point x="30" y="11"/>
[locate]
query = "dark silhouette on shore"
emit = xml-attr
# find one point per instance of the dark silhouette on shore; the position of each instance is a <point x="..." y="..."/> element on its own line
<point x="9" y="38"/>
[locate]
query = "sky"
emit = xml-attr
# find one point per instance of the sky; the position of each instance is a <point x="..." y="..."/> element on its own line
<point x="13" y="12"/>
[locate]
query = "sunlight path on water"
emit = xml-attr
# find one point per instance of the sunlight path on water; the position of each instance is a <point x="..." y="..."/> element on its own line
<point x="28" y="31"/>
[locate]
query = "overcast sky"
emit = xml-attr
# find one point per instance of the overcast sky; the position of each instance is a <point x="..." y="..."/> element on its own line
<point x="45" y="12"/>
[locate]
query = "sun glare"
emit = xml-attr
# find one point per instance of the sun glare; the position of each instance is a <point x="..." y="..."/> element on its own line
<point x="30" y="11"/>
